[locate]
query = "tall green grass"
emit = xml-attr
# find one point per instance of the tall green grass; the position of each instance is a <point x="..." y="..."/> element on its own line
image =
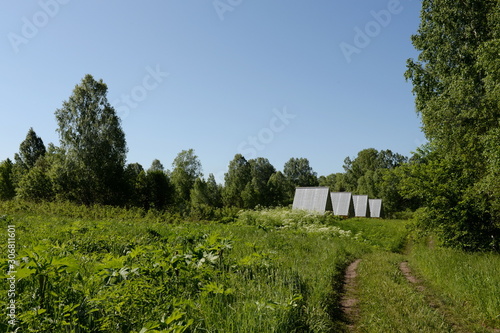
<point x="106" y="269"/>
<point x="122" y="271"/>
<point x="388" y="303"/>
<point x="389" y="235"/>
<point x="469" y="283"/>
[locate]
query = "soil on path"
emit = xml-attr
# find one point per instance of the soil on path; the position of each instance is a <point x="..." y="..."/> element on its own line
<point x="349" y="301"/>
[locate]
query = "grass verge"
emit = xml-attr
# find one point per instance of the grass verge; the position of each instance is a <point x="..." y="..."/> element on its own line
<point x="467" y="283"/>
<point x="388" y="303"/>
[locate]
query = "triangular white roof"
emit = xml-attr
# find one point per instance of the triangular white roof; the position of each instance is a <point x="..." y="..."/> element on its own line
<point x="342" y="204"/>
<point x="313" y="199"/>
<point x="360" y="205"/>
<point x="375" y="207"/>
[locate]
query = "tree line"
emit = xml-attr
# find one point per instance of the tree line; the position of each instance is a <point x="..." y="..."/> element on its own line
<point x="89" y="167"/>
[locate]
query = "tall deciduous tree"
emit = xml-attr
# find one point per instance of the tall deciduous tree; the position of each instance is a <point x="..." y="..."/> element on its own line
<point x="455" y="82"/>
<point x="361" y="172"/>
<point x="186" y="169"/>
<point x="257" y="191"/>
<point x="299" y="172"/>
<point x="279" y="189"/>
<point x="214" y="192"/>
<point x="335" y="181"/>
<point x="236" y="179"/>
<point x="92" y="145"/>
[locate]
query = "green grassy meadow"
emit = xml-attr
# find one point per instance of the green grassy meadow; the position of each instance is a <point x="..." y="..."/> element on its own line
<point x="103" y="269"/>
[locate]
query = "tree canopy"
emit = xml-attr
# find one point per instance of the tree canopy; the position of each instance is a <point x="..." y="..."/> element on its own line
<point x="456" y="81"/>
<point x="92" y="145"/>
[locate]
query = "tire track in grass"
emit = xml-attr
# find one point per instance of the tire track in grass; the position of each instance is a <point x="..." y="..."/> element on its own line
<point x="349" y="300"/>
<point x="434" y="302"/>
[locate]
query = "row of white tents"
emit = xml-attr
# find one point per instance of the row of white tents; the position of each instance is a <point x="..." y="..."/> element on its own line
<point x="345" y="204"/>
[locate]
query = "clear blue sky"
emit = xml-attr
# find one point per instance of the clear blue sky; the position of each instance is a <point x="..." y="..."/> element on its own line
<point x="278" y="79"/>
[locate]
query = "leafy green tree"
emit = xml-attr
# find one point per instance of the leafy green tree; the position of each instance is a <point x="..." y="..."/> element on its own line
<point x="149" y="189"/>
<point x="156" y="166"/>
<point x="30" y="150"/>
<point x="214" y="192"/>
<point x="335" y="181"/>
<point x="92" y="146"/>
<point x="279" y="189"/>
<point x="236" y="180"/>
<point x="36" y="184"/>
<point x="201" y="208"/>
<point x="142" y="192"/>
<point x="356" y="168"/>
<point x="257" y="191"/>
<point x="205" y="198"/>
<point x="134" y="169"/>
<point x="7" y="190"/>
<point x="369" y="183"/>
<point x="361" y="173"/>
<point x="299" y="173"/>
<point x="455" y="82"/>
<point x="159" y="188"/>
<point x="132" y="172"/>
<point x="328" y="181"/>
<point x="186" y="169"/>
<point x="199" y="193"/>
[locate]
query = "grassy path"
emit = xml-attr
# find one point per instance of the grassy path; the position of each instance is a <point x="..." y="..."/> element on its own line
<point x="383" y="294"/>
<point x="421" y="290"/>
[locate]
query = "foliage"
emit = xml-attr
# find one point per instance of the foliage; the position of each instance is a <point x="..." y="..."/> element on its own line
<point x="455" y="82"/>
<point x="107" y="269"/>
<point x="206" y="197"/>
<point x="257" y="192"/>
<point x="373" y="173"/>
<point x="279" y="190"/>
<point x="299" y="173"/>
<point x="36" y="184"/>
<point x="93" y="148"/>
<point x="335" y="181"/>
<point x="187" y="168"/>
<point x="121" y="271"/>
<point x="468" y="281"/>
<point x="360" y="171"/>
<point x="236" y="179"/>
<point x="30" y="150"/>
<point x="7" y="189"/>
<point x="389" y="304"/>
